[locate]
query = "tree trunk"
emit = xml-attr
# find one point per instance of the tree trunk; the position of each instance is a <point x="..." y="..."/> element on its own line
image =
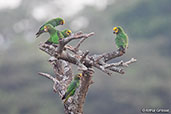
<point x="61" y="61"/>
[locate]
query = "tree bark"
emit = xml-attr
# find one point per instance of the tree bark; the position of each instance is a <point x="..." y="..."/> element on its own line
<point x="61" y="61"/>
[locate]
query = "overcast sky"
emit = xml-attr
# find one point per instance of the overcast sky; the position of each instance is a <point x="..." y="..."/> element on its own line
<point x="71" y="6"/>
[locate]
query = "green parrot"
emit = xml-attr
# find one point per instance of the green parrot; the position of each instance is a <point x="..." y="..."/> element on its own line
<point x="55" y="34"/>
<point x="121" y="39"/>
<point x="53" y="22"/>
<point x="72" y="87"/>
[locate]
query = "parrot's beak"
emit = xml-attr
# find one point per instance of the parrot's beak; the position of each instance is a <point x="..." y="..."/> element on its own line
<point x="80" y="75"/>
<point x="62" y="22"/>
<point x="114" y="32"/>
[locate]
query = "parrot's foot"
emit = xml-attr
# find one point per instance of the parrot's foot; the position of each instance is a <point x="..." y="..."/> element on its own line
<point x="47" y="42"/>
<point x="55" y="45"/>
<point x="65" y="48"/>
<point x="121" y="50"/>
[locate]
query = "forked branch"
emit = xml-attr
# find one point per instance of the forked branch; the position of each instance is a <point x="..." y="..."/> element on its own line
<point x="61" y="60"/>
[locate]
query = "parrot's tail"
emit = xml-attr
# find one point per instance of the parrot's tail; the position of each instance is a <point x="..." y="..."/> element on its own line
<point x="66" y="99"/>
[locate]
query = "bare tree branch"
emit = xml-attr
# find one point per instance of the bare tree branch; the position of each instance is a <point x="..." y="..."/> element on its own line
<point x="84" y="56"/>
<point x="64" y="41"/>
<point x="55" y="81"/>
<point x="102" y="69"/>
<point x="118" y="70"/>
<point x="121" y="63"/>
<point x="48" y="76"/>
<point x="61" y="61"/>
<point x="112" y="55"/>
<point x="79" y="43"/>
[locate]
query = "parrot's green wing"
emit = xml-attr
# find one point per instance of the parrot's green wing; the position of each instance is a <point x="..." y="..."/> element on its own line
<point x="126" y="40"/>
<point x="70" y="94"/>
<point x="119" y="42"/>
<point x="72" y="87"/>
<point x="56" y="37"/>
<point x="70" y="91"/>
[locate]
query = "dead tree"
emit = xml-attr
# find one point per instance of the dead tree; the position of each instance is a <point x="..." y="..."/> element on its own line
<point x="63" y="55"/>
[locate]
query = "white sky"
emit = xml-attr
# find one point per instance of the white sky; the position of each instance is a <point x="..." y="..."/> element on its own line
<point x="67" y="7"/>
<point x="11" y="4"/>
<point x="71" y="7"/>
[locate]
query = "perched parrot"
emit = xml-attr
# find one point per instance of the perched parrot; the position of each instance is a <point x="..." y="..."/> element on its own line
<point x="72" y="87"/>
<point x="121" y="39"/>
<point x="53" y="22"/>
<point x="66" y="33"/>
<point x="54" y="34"/>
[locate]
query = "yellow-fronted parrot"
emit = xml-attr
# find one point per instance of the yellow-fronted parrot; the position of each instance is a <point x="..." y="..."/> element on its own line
<point x="54" y="22"/>
<point x="72" y="87"/>
<point x="56" y="34"/>
<point x="121" y="39"/>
